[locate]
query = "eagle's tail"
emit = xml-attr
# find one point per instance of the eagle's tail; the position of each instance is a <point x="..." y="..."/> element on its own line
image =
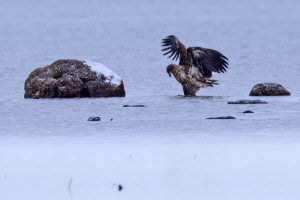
<point x="211" y="82"/>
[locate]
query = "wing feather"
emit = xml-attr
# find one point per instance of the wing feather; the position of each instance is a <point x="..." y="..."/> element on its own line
<point x="173" y="45"/>
<point x="208" y="59"/>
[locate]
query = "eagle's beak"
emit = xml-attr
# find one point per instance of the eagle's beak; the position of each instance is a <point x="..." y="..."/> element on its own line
<point x="169" y="74"/>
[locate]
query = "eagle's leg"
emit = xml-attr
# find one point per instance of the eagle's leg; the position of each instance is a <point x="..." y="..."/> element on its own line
<point x="185" y="92"/>
<point x="188" y="90"/>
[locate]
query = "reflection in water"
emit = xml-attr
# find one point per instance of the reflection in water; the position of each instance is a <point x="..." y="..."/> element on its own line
<point x="200" y="97"/>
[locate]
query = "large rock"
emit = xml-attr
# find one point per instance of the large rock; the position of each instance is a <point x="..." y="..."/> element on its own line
<point x="73" y="78"/>
<point x="268" y="89"/>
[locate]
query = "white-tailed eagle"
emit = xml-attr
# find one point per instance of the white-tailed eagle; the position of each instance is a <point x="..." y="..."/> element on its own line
<point x="196" y="65"/>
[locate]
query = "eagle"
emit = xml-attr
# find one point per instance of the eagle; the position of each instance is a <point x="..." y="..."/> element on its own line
<point x="196" y="65"/>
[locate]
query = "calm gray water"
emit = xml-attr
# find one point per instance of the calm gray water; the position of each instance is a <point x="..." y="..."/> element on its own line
<point x="167" y="150"/>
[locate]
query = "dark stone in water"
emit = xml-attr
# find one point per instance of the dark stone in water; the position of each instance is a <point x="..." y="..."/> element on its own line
<point x="134" y="106"/>
<point x="257" y="101"/>
<point x="248" y="111"/>
<point x="223" y="117"/>
<point x="120" y="187"/>
<point x="94" y="119"/>
<point x="268" y="89"/>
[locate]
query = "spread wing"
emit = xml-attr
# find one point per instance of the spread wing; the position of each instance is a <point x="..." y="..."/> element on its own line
<point x="207" y="60"/>
<point x="173" y="45"/>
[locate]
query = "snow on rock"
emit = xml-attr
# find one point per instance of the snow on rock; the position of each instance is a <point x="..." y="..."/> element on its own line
<point x="68" y="78"/>
<point x="102" y="69"/>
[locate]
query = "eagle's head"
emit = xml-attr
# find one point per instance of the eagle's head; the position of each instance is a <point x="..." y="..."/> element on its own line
<point x="170" y="69"/>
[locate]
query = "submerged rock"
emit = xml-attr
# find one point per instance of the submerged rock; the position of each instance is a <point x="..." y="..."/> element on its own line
<point x="257" y="101"/>
<point x="120" y="187"/>
<point x="134" y="106"/>
<point x="268" y="89"/>
<point x="73" y="78"/>
<point x="223" y="117"/>
<point x="94" y="119"/>
<point x="248" y="111"/>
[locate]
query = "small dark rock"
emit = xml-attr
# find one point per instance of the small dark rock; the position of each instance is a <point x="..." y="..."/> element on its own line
<point x="257" y="101"/>
<point x="268" y="89"/>
<point x="94" y="119"/>
<point x="248" y="111"/>
<point x="120" y="187"/>
<point x="224" y="117"/>
<point x="134" y="106"/>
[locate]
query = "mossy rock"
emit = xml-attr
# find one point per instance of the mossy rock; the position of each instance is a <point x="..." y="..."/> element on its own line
<point x="269" y="89"/>
<point x="69" y="78"/>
